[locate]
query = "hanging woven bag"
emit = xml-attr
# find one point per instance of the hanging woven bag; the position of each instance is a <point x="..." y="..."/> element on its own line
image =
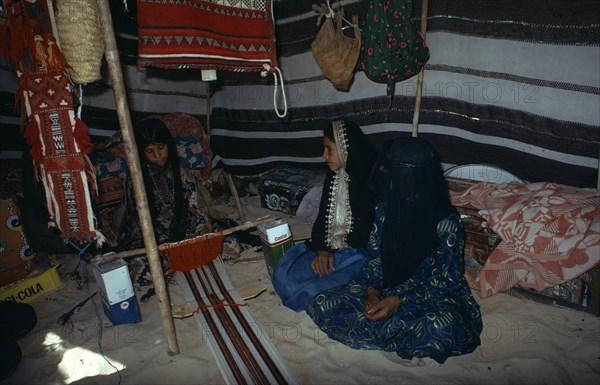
<point x="80" y="39"/>
<point x="336" y="53"/>
<point x="392" y="50"/>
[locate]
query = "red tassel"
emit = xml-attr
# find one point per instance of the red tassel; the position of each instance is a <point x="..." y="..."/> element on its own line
<point x="5" y="43"/>
<point x="40" y="51"/>
<point x="18" y="104"/>
<point x="22" y="43"/>
<point x="90" y="173"/>
<point x="31" y="134"/>
<point x="56" y="59"/>
<point x="81" y="136"/>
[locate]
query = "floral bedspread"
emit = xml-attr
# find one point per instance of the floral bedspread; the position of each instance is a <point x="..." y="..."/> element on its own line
<point x="550" y="233"/>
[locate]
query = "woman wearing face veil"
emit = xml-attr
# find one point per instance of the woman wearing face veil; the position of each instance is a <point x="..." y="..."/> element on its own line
<point x="411" y="297"/>
<point x="335" y="253"/>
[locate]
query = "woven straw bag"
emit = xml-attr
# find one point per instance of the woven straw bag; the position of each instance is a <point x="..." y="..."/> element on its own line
<point x="335" y="53"/>
<point x="80" y="39"/>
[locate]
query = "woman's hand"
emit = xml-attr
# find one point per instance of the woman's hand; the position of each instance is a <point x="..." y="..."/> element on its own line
<point x="322" y="263"/>
<point x="373" y="298"/>
<point x="376" y="308"/>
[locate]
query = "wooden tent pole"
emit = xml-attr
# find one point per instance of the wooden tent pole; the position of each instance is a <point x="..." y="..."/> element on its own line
<point x="133" y="162"/>
<point x="415" y="126"/>
<point x="232" y="188"/>
<point x="598" y="179"/>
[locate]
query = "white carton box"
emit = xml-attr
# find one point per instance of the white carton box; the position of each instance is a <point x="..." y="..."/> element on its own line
<point x="276" y="239"/>
<point x="114" y="284"/>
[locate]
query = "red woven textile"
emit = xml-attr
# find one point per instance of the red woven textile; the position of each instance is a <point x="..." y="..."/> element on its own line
<point x="229" y="35"/>
<point x="59" y="146"/>
<point x="59" y="141"/>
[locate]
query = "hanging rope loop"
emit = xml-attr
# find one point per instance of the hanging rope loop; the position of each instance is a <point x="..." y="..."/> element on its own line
<point x="276" y="71"/>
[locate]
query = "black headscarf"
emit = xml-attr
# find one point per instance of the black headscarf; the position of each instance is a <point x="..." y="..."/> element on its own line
<point x="357" y="156"/>
<point x="154" y="130"/>
<point x="408" y="177"/>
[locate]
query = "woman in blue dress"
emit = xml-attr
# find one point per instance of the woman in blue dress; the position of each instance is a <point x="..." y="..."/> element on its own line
<point x="335" y="253"/>
<point x="411" y="297"/>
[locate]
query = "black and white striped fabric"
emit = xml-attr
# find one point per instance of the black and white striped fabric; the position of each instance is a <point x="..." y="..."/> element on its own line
<point x="509" y="83"/>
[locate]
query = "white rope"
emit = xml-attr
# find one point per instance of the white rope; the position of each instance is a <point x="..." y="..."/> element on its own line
<point x="276" y="71"/>
<point x="331" y="13"/>
<point x="80" y="102"/>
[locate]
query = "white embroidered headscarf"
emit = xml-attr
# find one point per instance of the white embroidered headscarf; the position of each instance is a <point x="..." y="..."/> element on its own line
<point x="339" y="212"/>
<point x="346" y="209"/>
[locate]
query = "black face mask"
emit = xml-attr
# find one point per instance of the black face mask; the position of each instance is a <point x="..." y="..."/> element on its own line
<point x="409" y="179"/>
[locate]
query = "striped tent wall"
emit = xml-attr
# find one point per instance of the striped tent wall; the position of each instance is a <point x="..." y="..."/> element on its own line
<point x="509" y="83"/>
<point x="512" y="84"/>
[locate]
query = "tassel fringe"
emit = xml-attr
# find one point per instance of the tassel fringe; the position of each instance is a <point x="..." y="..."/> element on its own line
<point x="81" y="137"/>
<point x="31" y="134"/>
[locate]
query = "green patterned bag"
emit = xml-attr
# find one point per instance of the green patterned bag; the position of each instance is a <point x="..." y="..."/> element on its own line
<point x="392" y="48"/>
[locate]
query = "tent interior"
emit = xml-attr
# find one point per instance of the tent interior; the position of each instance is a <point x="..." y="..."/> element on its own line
<point x="510" y="92"/>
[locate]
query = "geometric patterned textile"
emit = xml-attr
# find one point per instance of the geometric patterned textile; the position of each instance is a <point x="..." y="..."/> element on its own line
<point x="228" y="35"/>
<point x="59" y="141"/>
<point x="59" y="147"/>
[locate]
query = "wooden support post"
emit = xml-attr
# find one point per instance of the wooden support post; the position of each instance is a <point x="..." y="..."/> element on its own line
<point x="598" y="179"/>
<point x="415" y="127"/>
<point x="232" y="188"/>
<point x="114" y="66"/>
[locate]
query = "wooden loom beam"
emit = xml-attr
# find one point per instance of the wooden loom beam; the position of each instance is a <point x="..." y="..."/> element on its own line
<point x="415" y="126"/>
<point x="114" y="66"/>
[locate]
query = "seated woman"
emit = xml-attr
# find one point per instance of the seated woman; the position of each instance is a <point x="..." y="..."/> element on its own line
<point x="334" y="254"/>
<point x="177" y="209"/>
<point x="412" y="297"/>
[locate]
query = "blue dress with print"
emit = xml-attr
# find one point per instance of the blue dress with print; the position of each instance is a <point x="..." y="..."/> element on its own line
<point x="438" y="316"/>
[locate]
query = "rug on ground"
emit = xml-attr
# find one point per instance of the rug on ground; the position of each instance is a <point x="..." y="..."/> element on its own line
<point x="243" y="352"/>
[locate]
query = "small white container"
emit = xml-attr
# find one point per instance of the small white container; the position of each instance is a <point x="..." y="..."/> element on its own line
<point x="276" y="239"/>
<point x="114" y="284"/>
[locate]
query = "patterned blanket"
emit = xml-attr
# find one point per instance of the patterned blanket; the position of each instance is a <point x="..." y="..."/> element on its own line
<point x="230" y="35"/>
<point x="550" y="233"/>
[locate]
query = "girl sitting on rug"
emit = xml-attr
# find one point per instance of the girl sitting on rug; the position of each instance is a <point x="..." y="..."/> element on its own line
<point x="334" y="255"/>
<point x="411" y="297"/>
<point x="177" y="209"/>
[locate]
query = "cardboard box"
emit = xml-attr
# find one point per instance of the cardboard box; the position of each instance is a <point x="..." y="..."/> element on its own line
<point x="276" y="239"/>
<point x="28" y="289"/>
<point x="116" y="291"/>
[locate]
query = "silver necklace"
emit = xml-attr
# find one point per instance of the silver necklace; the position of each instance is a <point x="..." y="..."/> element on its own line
<point x="159" y="193"/>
